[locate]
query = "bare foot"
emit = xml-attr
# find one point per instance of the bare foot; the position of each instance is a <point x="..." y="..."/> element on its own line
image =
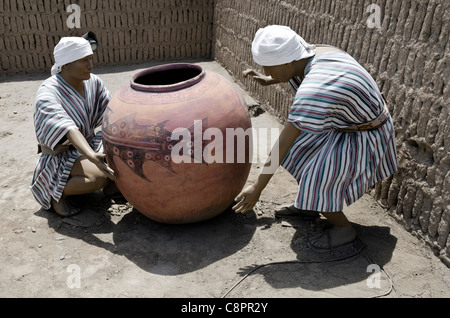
<point x="334" y="237"/>
<point x="65" y="208"/>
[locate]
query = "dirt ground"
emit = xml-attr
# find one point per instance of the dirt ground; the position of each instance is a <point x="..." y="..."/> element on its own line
<point x="111" y="250"/>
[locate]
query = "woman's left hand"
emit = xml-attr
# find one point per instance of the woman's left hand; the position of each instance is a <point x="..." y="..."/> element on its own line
<point x="247" y="199"/>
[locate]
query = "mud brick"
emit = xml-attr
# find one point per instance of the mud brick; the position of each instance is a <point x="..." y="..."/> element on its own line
<point x="33" y="23"/>
<point x="156" y="36"/>
<point x="18" y="63"/>
<point x="47" y="6"/>
<point x="12" y="63"/>
<point x="2" y="24"/>
<point x="155" y="53"/>
<point x="11" y="22"/>
<point x="40" y="6"/>
<point x="166" y="52"/>
<point x="109" y="40"/>
<point x="25" y="42"/>
<point x="34" y="6"/>
<point x="139" y="37"/>
<point x="48" y="58"/>
<point x="122" y="42"/>
<point x="18" y="5"/>
<point x="39" y="26"/>
<point x="87" y="19"/>
<point x="4" y="61"/>
<point x="116" y="41"/>
<point x="45" y="28"/>
<point x="438" y="23"/>
<point x="144" y="52"/>
<point x="57" y="6"/>
<point x="130" y="37"/>
<point x="188" y="51"/>
<point x="25" y="24"/>
<point x="60" y="22"/>
<point x="428" y="20"/>
<point x="5" y="5"/>
<point x="2" y="45"/>
<point x="99" y="5"/>
<point x="122" y="54"/>
<point x="51" y="23"/>
<point x="41" y="43"/>
<point x="116" y="56"/>
<point x="24" y="62"/>
<point x="91" y="5"/>
<point x="109" y="21"/>
<point x="100" y="23"/>
<point x="7" y="40"/>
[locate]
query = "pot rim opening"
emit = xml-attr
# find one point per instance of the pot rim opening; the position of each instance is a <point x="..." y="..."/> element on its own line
<point x="168" y="68"/>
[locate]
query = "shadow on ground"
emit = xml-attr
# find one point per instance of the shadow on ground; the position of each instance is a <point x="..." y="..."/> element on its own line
<point x="350" y="271"/>
<point x="172" y="250"/>
<point x="161" y="249"/>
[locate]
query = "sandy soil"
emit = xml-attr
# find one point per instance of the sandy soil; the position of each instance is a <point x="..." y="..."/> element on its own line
<point x="111" y="250"/>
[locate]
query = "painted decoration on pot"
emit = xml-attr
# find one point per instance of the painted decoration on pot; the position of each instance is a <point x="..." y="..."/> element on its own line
<point x="179" y="139"/>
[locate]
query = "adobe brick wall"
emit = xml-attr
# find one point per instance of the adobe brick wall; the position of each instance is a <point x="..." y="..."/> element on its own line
<point x="408" y="56"/>
<point x="135" y="31"/>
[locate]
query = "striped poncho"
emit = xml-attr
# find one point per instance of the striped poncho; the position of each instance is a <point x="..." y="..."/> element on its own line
<point x="332" y="166"/>
<point x="59" y="108"/>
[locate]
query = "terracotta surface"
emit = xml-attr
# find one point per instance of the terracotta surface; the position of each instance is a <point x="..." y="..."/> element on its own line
<point x="138" y="131"/>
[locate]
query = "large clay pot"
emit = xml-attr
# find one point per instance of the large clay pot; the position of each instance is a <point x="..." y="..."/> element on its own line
<point x="138" y="136"/>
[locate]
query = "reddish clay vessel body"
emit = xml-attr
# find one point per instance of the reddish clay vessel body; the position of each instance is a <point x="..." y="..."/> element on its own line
<point x="138" y="140"/>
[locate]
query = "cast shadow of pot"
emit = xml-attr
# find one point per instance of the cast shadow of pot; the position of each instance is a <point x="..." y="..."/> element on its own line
<point x="158" y="248"/>
<point x="177" y="249"/>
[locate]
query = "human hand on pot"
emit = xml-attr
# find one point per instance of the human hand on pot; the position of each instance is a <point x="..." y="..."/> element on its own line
<point x="99" y="160"/>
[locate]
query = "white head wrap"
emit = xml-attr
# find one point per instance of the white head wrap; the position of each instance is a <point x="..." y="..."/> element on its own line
<point x="68" y="50"/>
<point x="277" y="45"/>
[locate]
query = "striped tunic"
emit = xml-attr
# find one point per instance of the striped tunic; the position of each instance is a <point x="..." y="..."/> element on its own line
<point x="59" y="108"/>
<point x="332" y="166"/>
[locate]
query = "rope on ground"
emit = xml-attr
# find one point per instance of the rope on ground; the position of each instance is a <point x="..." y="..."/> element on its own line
<point x="368" y="256"/>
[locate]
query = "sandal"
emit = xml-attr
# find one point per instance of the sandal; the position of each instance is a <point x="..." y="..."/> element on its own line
<point x="326" y="237"/>
<point x="292" y="211"/>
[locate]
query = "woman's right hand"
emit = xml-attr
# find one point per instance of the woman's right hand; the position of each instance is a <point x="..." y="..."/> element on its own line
<point x="99" y="160"/>
<point x="260" y="78"/>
